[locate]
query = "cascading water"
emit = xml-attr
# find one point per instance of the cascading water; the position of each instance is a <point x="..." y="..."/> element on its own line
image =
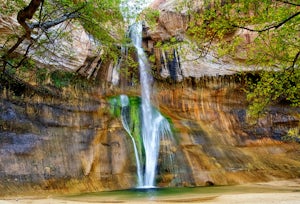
<point x="124" y="117"/>
<point x="150" y="121"/>
<point x="154" y="125"/>
<point x="150" y="139"/>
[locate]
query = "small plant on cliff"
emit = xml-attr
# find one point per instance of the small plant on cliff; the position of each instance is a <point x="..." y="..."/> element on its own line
<point x="152" y="16"/>
<point x="293" y="135"/>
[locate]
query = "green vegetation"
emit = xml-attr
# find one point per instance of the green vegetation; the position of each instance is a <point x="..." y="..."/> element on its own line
<point x="152" y="16"/>
<point x="130" y="66"/>
<point x="47" y="29"/>
<point x="131" y="114"/>
<point x="29" y="74"/>
<point x="268" y="41"/>
<point x="293" y="135"/>
<point x="61" y="79"/>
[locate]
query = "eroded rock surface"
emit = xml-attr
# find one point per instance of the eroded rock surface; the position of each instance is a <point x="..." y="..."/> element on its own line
<point x="78" y="145"/>
<point x="192" y="61"/>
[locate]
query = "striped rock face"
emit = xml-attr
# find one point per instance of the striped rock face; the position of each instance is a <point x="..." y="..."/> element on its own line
<point x="78" y="145"/>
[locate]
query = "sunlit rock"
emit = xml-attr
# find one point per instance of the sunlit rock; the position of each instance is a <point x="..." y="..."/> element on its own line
<point x="67" y="48"/>
<point x="170" y="24"/>
<point x="51" y="144"/>
<point x="80" y="146"/>
<point x="193" y="60"/>
<point x="8" y="26"/>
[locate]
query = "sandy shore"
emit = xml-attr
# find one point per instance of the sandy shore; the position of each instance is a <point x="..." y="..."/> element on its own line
<point x="276" y="192"/>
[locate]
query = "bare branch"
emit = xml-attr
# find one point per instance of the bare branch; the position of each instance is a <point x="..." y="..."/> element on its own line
<point x="270" y="26"/>
<point x="288" y="2"/>
<point x="295" y="59"/>
<point x="24" y="56"/>
<point x="49" y="24"/>
<point x="27" y="13"/>
<point x="11" y="50"/>
<point x="41" y="11"/>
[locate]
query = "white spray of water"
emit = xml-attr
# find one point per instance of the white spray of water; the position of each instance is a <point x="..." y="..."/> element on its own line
<point x="154" y="125"/>
<point x="150" y="119"/>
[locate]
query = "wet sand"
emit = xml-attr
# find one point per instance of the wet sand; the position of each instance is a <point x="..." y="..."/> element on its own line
<point x="276" y="192"/>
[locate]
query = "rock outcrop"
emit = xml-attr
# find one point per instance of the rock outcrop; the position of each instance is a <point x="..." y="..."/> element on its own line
<point x="48" y="144"/>
<point x="193" y="61"/>
<point x="61" y="53"/>
<point x="169" y="24"/>
<point x="220" y="144"/>
<point x="70" y="49"/>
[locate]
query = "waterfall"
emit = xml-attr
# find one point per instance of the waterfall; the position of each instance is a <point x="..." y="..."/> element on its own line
<point x="153" y="124"/>
<point x="150" y="139"/>
<point x="150" y="121"/>
<point x="116" y="69"/>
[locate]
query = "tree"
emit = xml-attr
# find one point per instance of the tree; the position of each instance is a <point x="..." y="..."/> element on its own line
<point x="40" y="18"/>
<point x="274" y="50"/>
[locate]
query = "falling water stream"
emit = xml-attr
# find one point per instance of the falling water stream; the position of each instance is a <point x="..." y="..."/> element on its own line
<point x="124" y="117"/>
<point x="153" y="124"/>
<point x="150" y="120"/>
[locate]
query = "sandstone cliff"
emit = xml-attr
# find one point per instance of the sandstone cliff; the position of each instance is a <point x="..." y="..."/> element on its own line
<point x="71" y="142"/>
<point x="50" y="144"/>
<point x="191" y="61"/>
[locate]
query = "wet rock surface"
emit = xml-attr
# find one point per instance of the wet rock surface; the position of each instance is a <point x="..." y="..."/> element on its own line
<point x="76" y="145"/>
<point x="63" y="145"/>
<point x="49" y="144"/>
<point x="219" y="142"/>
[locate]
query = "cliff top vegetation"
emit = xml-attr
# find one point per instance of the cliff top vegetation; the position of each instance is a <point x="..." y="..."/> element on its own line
<point x="274" y="47"/>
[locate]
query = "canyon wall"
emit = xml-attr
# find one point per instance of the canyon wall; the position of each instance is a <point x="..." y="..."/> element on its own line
<point x="220" y="143"/>
<point x="72" y="143"/>
<point x="60" y="144"/>
<point x="77" y="145"/>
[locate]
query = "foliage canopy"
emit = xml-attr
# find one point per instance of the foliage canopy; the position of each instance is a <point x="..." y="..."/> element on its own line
<point x="45" y="23"/>
<point x="273" y="47"/>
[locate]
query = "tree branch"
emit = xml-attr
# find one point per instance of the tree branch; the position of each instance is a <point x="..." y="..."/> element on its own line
<point x="48" y="24"/>
<point x="270" y="26"/>
<point x="295" y="59"/>
<point x="288" y="2"/>
<point x="11" y="50"/>
<point x="41" y="11"/>
<point x="27" y="13"/>
<point x="24" y="56"/>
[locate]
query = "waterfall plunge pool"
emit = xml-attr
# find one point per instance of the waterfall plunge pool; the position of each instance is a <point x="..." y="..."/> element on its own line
<point x="278" y="192"/>
<point x="285" y="191"/>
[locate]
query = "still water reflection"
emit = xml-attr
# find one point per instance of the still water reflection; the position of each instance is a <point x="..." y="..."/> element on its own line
<point x="180" y="195"/>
